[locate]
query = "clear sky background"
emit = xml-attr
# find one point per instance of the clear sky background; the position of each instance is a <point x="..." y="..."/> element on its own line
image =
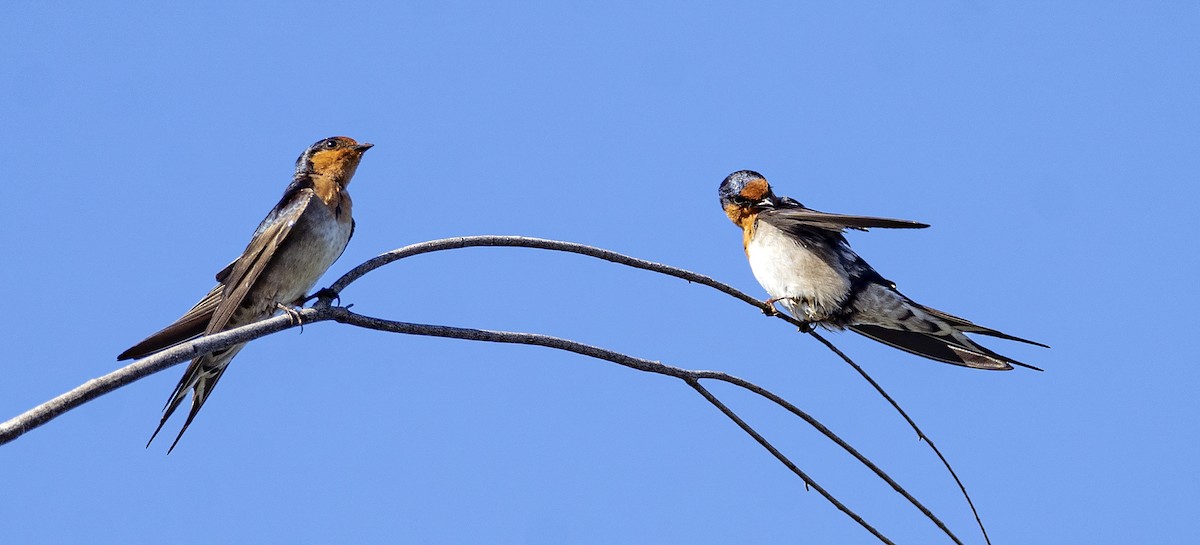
<point x="1052" y="146"/>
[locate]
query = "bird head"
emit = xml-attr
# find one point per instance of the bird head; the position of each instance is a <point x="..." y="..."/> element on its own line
<point x="745" y="193"/>
<point x="335" y="158"/>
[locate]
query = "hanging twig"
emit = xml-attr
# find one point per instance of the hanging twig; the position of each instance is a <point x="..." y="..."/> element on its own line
<point x="689" y="376"/>
<point x="608" y="255"/>
<point x="920" y="435"/>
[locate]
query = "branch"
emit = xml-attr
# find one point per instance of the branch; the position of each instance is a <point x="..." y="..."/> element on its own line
<point x="544" y="244"/>
<point x="41" y="414"/>
<point x="323" y="311"/>
<point x="692" y="378"/>
<point x="779" y="455"/>
<point x="920" y="435"/>
<point x="145" y="367"/>
<point x="621" y="259"/>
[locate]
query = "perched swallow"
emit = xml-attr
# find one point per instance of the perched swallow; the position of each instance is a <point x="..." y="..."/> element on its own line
<point x="801" y="258"/>
<point x="292" y="247"/>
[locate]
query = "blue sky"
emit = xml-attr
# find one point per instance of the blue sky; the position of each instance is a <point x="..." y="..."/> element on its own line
<point x="1052" y="146"/>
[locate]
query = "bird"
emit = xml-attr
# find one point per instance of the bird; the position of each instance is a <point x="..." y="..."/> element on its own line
<point x="802" y="259"/>
<point x="293" y="246"/>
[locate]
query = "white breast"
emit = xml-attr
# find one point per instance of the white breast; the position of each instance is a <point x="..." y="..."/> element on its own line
<point x="813" y="287"/>
<point x="299" y="265"/>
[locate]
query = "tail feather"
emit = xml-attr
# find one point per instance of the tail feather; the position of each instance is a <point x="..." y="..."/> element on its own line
<point x="967" y="326"/>
<point x="884" y="314"/>
<point x="168" y="410"/>
<point x="201" y="377"/>
<point x="196" y="404"/>
<point x="939" y="348"/>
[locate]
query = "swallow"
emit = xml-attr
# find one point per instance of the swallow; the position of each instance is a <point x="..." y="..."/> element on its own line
<point x="800" y="256"/>
<point x="293" y="246"/>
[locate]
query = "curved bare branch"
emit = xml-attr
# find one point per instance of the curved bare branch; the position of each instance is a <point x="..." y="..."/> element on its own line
<point x="41" y="414"/>
<point x="543" y="244"/>
<point x="614" y="257"/>
<point x="145" y="367"/>
<point x="691" y="377"/>
<point x="920" y="435"/>
<point x="323" y="310"/>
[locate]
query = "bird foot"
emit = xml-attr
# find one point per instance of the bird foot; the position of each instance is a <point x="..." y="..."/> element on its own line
<point x="295" y="315"/>
<point x="325" y="298"/>
<point x="771" y="310"/>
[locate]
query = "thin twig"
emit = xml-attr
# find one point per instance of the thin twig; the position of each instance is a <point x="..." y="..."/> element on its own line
<point x="540" y="243"/>
<point x="920" y="434"/>
<point x="771" y="396"/>
<point x="779" y="455"/>
<point x="691" y="377"/>
<point x="92" y="389"/>
<point x="608" y="255"/>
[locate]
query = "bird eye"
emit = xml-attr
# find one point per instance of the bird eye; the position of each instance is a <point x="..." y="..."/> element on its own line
<point x="330" y="144"/>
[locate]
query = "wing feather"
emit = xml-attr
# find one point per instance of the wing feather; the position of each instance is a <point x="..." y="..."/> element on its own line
<point x="188" y="326"/>
<point x="246" y="270"/>
<point x="939" y="348"/>
<point x="213" y="312"/>
<point x="790" y="218"/>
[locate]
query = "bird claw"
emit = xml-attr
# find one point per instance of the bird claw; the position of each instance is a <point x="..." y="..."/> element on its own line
<point x="770" y="310"/>
<point x="328" y="296"/>
<point x="325" y="298"/>
<point x="293" y="313"/>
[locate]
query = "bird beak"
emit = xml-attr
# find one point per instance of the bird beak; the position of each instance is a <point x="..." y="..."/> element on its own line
<point x="363" y="147"/>
<point x="765" y="203"/>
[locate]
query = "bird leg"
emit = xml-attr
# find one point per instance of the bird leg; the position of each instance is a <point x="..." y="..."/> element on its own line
<point x="806" y="328"/>
<point x="770" y="303"/>
<point x="293" y="313"/>
<point x="323" y="295"/>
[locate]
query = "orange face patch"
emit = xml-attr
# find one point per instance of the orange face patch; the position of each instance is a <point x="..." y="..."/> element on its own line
<point x="744" y="218"/>
<point x="748" y="231"/>
<point x="329" y="162"/>
<point x="736" y="213"/>
<point x="756" y="190"/>
<point x="337" y="165"/>
<point x="331" y="171"/>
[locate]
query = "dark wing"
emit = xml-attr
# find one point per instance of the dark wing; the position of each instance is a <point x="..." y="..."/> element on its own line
<point x="790" y="218"/>
<point x="269" y="236"/>
<point x="939" y="348"/>
<point x="273" y="229"/>
<point x="224" y="273"/>
<point x="967" y="326"/>
<point x="188" y="326"/>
